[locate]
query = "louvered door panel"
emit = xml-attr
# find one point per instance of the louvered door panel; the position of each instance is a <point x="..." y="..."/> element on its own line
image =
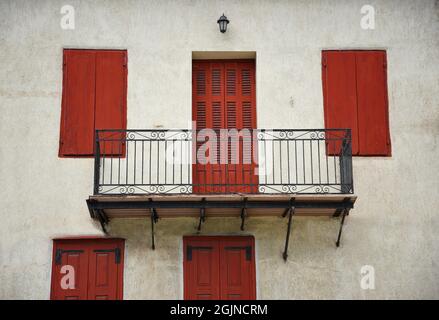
<point x="224" y="98"/>
<point x="200" y="116"/>
<point x="240" y="114"/>
<point x="217" y="168"/>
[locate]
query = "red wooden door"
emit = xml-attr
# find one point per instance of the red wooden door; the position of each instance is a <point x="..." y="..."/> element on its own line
<point x="97" y="266"/>
<point x="219" y="268"/>
<point x="224" y="97"/>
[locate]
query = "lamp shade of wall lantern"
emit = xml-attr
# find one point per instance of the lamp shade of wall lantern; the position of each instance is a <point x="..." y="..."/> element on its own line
<point x="223" y="22"/>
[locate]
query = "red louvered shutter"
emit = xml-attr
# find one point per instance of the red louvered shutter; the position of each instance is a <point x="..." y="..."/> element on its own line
<point x="240" y="102"/>
<point x="373" y="121"/>
<point x="224" y="98"/>
<point x="340" y="96"/>
<point x="201" y="114"/>
<point x="77" y="114"/>
<point x="216" y="171"/>
<point x="110" y="109"/>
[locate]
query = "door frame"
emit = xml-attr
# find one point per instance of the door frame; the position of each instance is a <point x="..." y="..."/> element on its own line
<point x="187" y="238"/>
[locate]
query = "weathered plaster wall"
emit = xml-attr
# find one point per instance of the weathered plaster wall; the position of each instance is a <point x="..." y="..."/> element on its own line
<point x="393" y="226"/>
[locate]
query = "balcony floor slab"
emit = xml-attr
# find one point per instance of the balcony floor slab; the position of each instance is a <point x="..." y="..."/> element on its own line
<point x="218" y="205"/>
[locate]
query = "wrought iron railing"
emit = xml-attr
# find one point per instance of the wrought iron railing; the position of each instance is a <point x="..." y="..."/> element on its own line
<point x="167" y="161"/>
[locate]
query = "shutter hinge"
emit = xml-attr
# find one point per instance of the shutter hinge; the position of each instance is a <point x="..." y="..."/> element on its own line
<point x="190" y="248"/>
<point x="248" y="251"/>
<point x="324" y="62"/>
<point x="125" y="60"/>
<point x="59" y="253"/>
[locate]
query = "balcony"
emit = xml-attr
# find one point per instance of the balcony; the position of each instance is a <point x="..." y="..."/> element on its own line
<point x="158" y="162"/>
<point x="175" y="173"/>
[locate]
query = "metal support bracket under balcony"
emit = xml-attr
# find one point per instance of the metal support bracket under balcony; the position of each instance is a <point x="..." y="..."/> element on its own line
<point x="154" y="220"/>
<point x="106" y="208"/>
<point x="98" y="214"/>
<point x="202" y="215"/>
<point x="345" y="212"/>
<point x="291" y="211"/>
<point x="243" y="213"/>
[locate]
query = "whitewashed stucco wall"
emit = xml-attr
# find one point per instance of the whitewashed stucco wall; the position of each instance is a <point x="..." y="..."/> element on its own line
<point x="393" y="226"/>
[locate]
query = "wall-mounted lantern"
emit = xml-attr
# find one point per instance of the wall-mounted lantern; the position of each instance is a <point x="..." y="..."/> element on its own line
<point x="223" y="22"/>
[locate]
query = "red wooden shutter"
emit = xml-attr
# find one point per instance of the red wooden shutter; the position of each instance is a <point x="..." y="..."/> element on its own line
<point x="201" y="114"/>
<point x="216" y="171"/>
<point x="340" y="95"/>
<point x="373" y="122"/>
<point x="237" y="272"/>
<point x="224" y="97"/>
<point x="77" y="115"/>
<point x="246" y="119"/>
<point x="104" y="271"/>
<point x="201" y="269"/>
<point x="219" y="268"/>
<point x="97" y="265"/>
<point x="75" y="255"/>
<point x="110" y="109"/>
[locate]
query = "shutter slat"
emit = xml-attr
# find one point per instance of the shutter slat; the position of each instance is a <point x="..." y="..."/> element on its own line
<point x="231" y="82"/>
<point x="246" y="82"/>
<point x="201" y="82"/>
<point x="216" y="82"/>
<point x="247" y="115"/>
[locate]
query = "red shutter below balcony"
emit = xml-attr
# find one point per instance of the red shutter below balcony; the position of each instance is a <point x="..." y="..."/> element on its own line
<point x="236" y="268"/>
<point x="95" y="267"/>
<point x="219" y="268"/>
<point x="201" y="270"/>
